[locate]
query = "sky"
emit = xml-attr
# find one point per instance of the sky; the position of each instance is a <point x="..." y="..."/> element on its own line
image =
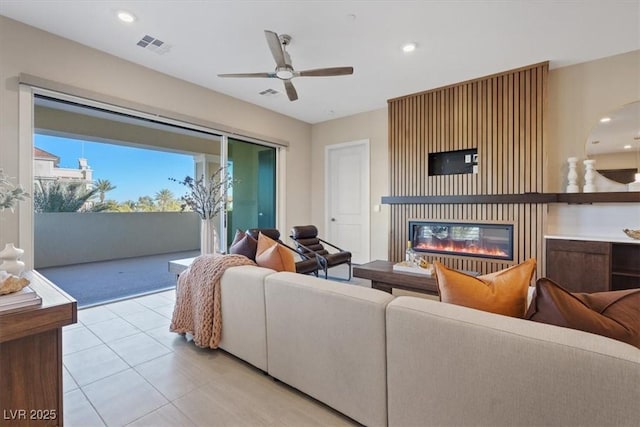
<point x="135" y="172"/>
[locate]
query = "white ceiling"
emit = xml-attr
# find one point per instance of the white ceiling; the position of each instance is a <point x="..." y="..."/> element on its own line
<point x="457" y="41"/>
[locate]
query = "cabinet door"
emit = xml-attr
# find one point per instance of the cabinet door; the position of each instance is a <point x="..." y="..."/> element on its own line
<point x="579" y="266"/>
<point x="31" y="380"/>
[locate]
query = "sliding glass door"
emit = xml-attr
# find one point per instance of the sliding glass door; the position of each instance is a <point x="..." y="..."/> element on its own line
<point x="253" y="195"/>
<point x="252" y="165"/>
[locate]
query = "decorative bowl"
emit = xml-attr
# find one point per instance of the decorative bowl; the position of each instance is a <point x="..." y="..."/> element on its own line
<point x="634" y="234"/>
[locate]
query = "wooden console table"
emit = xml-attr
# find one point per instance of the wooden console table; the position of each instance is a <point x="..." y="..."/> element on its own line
<point x="31" y="390"/>
<point x="384" y="278"/>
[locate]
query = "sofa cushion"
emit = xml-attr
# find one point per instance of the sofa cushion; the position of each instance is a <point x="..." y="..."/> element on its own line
<point x="271" y="254"/>
<point x="503" y="292"/>
<point x="244" y="328"/>
<point x="244" y="244"/>
<point x="614" y="314"/>
<point x="327" y="339"/>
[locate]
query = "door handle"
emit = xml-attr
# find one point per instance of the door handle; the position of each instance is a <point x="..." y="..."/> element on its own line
<point x="333" y="220"/>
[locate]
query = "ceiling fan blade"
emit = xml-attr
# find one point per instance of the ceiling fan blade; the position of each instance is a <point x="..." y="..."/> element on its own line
<point x="291" y="91"/>
<point x="248" y="75"/>
<point x="321" y="72"/>
<point x="276" y="48"/>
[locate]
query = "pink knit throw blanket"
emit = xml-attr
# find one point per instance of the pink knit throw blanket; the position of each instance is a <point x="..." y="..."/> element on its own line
<point x="198" y="300"/>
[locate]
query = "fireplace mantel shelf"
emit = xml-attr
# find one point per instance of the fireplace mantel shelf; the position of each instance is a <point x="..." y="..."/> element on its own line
<point x="571" y="198"/>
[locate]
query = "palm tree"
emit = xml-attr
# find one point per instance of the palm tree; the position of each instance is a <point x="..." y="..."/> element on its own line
<point x="127" y="206"/>
<point x="145" y="204"/>
<point x="104" y="185"/>
<point x="164" y="198"/>
<point x="64" y="197"/>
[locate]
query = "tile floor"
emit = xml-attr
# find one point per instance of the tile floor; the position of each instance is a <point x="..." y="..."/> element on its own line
<point x="122" y="366"/>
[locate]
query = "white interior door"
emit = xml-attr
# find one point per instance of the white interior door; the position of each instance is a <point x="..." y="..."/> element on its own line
<point x="347" y="198"/>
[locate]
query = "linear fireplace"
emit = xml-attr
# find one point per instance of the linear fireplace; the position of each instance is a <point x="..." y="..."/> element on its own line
<point x="493" y="241"/>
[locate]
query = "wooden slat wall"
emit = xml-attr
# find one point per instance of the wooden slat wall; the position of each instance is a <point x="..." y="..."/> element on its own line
<point x="503" y="117"/>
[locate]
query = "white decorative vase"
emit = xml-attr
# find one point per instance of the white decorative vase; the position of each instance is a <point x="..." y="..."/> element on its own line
<point x="11" y="263"/>
<point x="572" y="177"/>
<point x="589" y="176"/>
<point x="208" y="237"/>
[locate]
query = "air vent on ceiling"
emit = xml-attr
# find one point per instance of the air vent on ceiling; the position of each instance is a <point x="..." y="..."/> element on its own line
<point x="153" y="44"/>
<point x="269" y="92"/>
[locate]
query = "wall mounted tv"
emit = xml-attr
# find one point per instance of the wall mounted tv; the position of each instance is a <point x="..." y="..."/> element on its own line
<point x="453" y="162"/>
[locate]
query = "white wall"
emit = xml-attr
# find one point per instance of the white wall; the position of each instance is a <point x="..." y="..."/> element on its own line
<point x="24" y="49"/>
<point x="578" y="96"/>
<point x="373" y="126"/>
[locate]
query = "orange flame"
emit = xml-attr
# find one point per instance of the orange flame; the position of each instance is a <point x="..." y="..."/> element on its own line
<point x="461" y="248"/>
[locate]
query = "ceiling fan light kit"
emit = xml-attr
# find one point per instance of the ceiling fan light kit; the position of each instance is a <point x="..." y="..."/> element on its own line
<point x="284" y="70"/>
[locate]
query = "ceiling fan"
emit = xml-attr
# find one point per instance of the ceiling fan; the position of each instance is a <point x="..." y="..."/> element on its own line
<point x="284" y="70"/>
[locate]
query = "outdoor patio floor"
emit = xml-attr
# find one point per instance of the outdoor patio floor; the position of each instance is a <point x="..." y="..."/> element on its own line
<point x="96" y="283"/>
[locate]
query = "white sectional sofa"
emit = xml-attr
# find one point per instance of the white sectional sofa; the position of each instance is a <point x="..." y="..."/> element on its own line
<point x="409" y="361"/>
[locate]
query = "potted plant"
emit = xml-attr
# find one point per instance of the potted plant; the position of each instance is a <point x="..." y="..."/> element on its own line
<point x="10" y="194"/>
<point x="207" y="197"/>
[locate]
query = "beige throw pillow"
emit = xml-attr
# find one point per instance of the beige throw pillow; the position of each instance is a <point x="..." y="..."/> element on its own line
<point x="271" y="254"/>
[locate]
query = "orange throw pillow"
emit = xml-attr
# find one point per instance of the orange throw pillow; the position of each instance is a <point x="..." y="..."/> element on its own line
<point x="613" y="314"/>
<point x="503" y="292"/>
<point x="271" y="254"/>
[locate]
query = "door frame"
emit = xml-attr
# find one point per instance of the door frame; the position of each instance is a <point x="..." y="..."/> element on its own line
<point x="366" y="190"/>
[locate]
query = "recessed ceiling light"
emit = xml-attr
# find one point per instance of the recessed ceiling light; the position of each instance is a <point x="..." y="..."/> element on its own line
<point x="125" y="16"/>
<point x="605" y="119"/>
<point x="409" y="47"/>
<point x="627" y="147"/>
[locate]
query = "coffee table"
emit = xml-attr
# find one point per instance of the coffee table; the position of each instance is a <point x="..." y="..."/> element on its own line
<point x="384" y="278"/>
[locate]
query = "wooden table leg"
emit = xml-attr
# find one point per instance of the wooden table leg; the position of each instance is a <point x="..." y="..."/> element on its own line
<point x="381" y="286"/>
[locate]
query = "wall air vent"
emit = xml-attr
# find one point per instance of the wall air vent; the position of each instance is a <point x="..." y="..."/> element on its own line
<point x="153" y="44"/>
<point x="269" y="92"/>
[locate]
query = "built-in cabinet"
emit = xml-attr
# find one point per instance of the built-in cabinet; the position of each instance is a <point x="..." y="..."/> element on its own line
<point x="593" y="266"/>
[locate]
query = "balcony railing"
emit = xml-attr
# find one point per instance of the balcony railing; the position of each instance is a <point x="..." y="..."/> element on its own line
<point x="75" y="238"/>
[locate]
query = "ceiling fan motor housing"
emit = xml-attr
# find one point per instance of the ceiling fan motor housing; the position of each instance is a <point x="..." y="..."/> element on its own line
<point x="285" y="73"/>
<point x="285" y="39"/>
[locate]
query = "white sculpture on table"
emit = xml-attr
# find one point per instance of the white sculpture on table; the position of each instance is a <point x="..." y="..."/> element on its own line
<point x="572" y="177"/>
<point x="10" y="257"/>
<point x="589" y="175"/>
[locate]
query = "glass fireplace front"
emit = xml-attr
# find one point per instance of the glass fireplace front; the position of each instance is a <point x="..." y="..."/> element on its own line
<point x="494" y="241"/>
